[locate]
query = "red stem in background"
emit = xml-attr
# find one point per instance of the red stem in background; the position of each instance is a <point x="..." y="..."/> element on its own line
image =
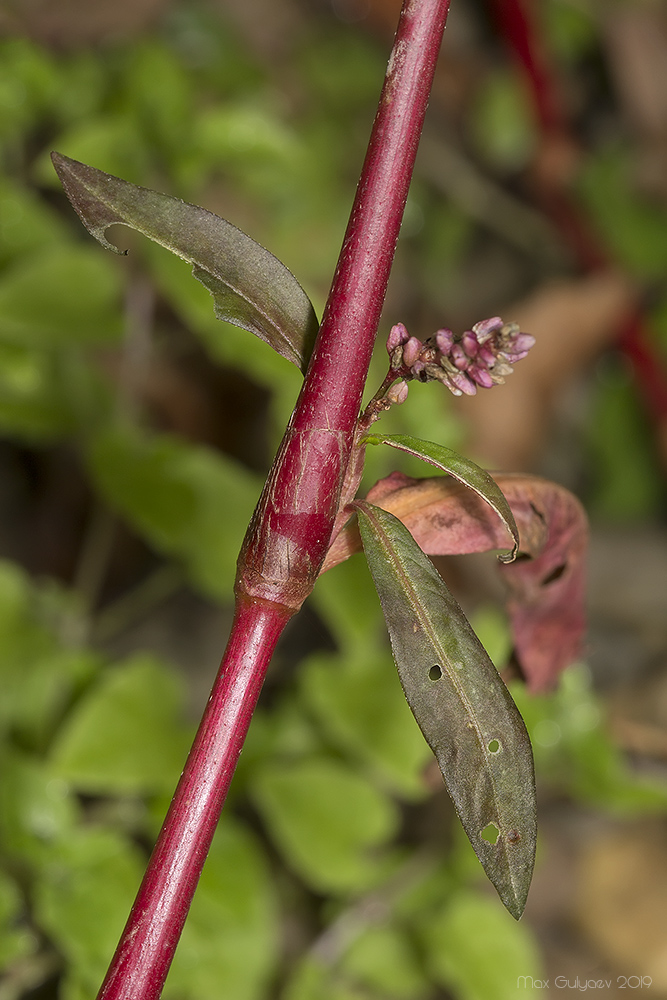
<point x="289" y="535"/>
<point x="560" y="204"/>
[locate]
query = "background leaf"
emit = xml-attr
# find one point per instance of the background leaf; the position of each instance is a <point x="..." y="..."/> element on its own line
<point x="478" y="953"/>
<point x="188" y="500"/>
<point x="251" y="288"/>
<point x="124" y="736"/>
<point x="328" y="821"/>
<point x="462" y="706"/>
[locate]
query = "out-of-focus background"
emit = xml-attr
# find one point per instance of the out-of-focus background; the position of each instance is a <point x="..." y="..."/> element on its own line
<point x="135" y="430"/>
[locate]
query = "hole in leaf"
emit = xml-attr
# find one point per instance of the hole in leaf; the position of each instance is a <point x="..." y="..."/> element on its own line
<point x="490" y="833"/>
<point x="555" y="574"/>
<point x="435" y="673"/>
<point x="494" y="746"/>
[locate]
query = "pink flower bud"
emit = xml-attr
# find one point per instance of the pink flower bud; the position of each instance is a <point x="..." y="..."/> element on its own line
<point x="481" y="376"/>
<point x="444" y="339"/>
<point x="487" y="327"/>
<point x="398" y="392"/>
<point x="458" y="357"/>
<point x="411" y="351"/>
<point x="470" y="344"/>
<point x="518" y="347"/>
<point x="397" y="335"/>
<point x="462" y="382"/>
<point x="486" y="356"/>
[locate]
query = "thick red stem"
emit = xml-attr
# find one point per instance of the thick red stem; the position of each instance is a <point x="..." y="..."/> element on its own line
<point x="144" y="954"/>
<point x="288" y="537"/>
<point x="290" y="531"/>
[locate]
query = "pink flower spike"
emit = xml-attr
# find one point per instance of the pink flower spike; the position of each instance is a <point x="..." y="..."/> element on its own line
<point x="487" y="327"/>
<point x="397" y="335"/>
<point x="411" y="351"/>
<point x="444" y="339"/>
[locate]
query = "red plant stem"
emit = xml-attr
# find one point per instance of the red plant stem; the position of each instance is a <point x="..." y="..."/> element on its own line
<point x="561" y="206"/>
<point x="290" y="532"/>
<point x="289" y="535"/>
<point x="145" y="951"/>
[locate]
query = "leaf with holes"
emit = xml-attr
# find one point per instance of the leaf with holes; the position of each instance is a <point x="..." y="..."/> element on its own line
<point x="251" y="288"/>
<point x="461" y="469"/>
<point x="461" y="705"/>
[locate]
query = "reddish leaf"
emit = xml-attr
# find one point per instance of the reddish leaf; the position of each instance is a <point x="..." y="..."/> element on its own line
<point x="546" y="583"/>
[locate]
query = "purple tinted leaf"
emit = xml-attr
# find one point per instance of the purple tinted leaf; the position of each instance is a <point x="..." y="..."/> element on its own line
<point x="459" y="468"/>
<point x="251" y="288"/>
<point x="460" y="703"/>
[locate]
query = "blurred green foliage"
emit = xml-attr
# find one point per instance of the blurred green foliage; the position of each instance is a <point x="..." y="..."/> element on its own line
<point x="317" y="838"/>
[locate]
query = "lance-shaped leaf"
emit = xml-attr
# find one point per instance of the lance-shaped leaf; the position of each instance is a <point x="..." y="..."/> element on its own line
<point x="459" y="468"/>
<point x="461" y="705"/>
<point x="251" y="288"/>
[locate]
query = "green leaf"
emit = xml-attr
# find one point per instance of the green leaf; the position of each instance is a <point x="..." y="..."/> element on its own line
<point x="576" y="754"/>
<point x="251" y="288"/>
<point x="187" y="500"/>
<point x="81" y="901"/>
<point x="27" y="223"/>
<point x="38" y="677"/>
<point x="461" y="469"/>
<point x="384" y="959"/>
<point x="16" y="941"/>
<point x="64" y="296"/>
<point x="37" y="810"/>
<point x="358" y="701"/>
<point x="229" y="942"/>
<point x="478" y="953"/>
<point x="462" y="706"/>
<point x="327" y="820"/>
<point x="124" y="736"/>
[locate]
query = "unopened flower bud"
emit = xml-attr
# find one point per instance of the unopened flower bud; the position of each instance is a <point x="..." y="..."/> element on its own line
<point x="411" y="351"/>
<point x="470" y="344"/>
<point x="481" y="376"/>
<point x="398" y="392"/>
<point x="444" y="339"/>
<point x="518" y="347"/>
<point x="459" y="357"/>
<point x="487" y="327"/>
<point x="398" y="335"/>
<point x="463" y="383"/>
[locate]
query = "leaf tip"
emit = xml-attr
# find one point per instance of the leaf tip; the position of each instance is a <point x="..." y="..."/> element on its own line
<point x="76" y="179"/>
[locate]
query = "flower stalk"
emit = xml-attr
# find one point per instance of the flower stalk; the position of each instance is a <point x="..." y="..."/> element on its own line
<point x="291" y="529"/>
